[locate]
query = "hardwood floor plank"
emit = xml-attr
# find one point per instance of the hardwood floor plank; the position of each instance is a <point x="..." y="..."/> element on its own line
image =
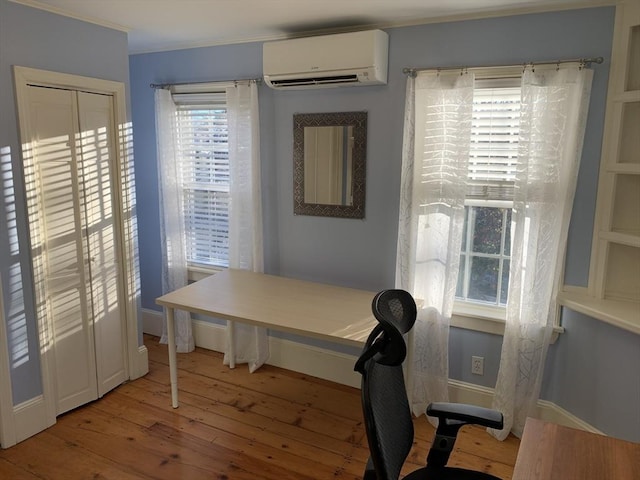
<point x="228" y="433"/>
<point x="46" y="456"/>
<point x="14" y="472"/>
<point x="141" y="452"/>
<point x="287" y="411"/>
<point x="272" y="463"/>
<point x="277" y="382"/>
<point x="232" y="417"/>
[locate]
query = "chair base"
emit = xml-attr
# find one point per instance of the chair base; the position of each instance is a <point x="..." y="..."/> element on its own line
<point x="448" y="473"/>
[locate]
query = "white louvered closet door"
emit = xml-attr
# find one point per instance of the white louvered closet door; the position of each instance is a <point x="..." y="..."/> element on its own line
<point x="97" y="142"/>
<point x="74" y="242"/>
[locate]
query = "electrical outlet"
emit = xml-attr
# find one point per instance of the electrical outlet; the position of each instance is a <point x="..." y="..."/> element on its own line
<point x="477" y="365"/>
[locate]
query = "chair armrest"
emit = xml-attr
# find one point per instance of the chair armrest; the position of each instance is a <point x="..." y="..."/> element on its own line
<point x="468" y="414"/>
<point x="451" y="417"/>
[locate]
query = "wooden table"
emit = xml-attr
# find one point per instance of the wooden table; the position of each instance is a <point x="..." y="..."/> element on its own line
<point x="327" y="312"/>
<point x="553" y="452"/>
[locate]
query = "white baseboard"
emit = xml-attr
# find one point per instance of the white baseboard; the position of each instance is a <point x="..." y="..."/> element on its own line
<point x="307" y="359"/>
<point x="152" y="322"/>
<point x="550" y="412"/>
<point x="209" y="335"/>
<point x="462" y="392"/>
<point x="338" y="367"/>
<point x="30" y="418"/>
<point x="140" y="365"/>
<point x="314" y="361"/>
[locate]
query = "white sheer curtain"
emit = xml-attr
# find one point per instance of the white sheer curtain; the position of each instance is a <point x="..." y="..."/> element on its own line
<point x="435" y="160"/>
<point x="553" y="117"/>
<point x="245" y="214"/>
<point x="172" y="236"/>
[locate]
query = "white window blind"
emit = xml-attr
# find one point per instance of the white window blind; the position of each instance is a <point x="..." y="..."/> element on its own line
<point x="493" y="154"/>
<point x="204" y="160"/>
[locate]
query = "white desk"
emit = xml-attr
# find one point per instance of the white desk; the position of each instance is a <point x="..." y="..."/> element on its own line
<point x="338" y="314"/>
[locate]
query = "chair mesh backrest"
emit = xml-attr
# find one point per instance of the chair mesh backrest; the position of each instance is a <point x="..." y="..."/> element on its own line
<point x="396" y="307"/>
<point x="387" y="418"/>
<point x="384" y="399"/>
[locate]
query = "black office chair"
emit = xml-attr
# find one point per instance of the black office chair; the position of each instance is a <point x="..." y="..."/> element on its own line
<point x="387" y="414"/>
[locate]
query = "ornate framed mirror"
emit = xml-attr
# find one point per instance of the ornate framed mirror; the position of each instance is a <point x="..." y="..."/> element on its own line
<point x="329" y="164"/>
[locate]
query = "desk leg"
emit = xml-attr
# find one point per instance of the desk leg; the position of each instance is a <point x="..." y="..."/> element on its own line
<point x="173" y="369"/>
<point x="231" y="331"/>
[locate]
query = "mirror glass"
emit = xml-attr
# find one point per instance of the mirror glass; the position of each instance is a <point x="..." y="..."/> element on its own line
<point x="329" y="163"/>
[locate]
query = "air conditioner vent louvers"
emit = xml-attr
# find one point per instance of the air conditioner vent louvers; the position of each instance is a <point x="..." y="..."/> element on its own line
<point x="316" y="80"/>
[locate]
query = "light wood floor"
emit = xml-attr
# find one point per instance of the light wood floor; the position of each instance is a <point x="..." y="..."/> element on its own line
<point x="231" y="425"/>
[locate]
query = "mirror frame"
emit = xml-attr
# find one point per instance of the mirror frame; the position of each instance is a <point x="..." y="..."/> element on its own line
<point x="359" y="122"/>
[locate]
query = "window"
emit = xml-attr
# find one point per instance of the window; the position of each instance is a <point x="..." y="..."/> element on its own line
<point x="203" y="150"/>
<point x="483" y="278"/>
<point x="517" y="150"/>
<point x="484" y="260"/>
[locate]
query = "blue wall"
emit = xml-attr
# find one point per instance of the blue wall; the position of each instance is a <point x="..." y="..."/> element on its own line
<point x="37" y="39"/>
<point x="598" y="379"/>
<point x="361" y="253"/>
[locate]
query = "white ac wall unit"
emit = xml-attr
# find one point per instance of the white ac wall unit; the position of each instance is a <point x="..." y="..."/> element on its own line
<point x="344" y="59"/>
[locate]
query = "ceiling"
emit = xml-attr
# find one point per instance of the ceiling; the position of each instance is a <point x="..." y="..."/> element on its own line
<point x="156" y="25"/>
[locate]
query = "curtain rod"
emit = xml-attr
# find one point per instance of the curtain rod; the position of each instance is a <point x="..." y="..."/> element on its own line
<point x="169" y="85"/>
<point x="583" y="61"/>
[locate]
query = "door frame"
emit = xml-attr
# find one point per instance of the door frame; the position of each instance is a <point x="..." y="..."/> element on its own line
<point x="7" y="422"/>
<point x="137" y="357"/>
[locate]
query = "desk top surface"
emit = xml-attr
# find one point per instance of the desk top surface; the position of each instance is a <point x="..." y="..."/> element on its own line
<point x="306" y="308"/>
<point x="550" y="452"/>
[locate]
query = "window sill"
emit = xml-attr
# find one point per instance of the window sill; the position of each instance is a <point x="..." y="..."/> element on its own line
<point x="478" y="317"/>
<point x="198" y="273"/>
<point x="486" y="319"/>
<point x="478" y="324"/>
<point x="625" y="315"/>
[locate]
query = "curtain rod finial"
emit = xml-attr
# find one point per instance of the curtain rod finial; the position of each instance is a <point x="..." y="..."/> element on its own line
<point x="409" y="71"/>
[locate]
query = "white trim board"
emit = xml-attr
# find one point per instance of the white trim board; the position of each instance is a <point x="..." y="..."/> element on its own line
<point x="7" y="420"/>
<point x="31" y="417"/>
<point x="338" y="367"/>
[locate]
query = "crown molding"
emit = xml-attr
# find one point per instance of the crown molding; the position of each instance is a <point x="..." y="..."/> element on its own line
<point x="66" y="13"/>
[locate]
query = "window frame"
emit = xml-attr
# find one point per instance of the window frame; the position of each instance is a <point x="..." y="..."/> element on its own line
<point x="204" y="95"/>
<point x="469" y="305"/>
<point x="476" y="315"/>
